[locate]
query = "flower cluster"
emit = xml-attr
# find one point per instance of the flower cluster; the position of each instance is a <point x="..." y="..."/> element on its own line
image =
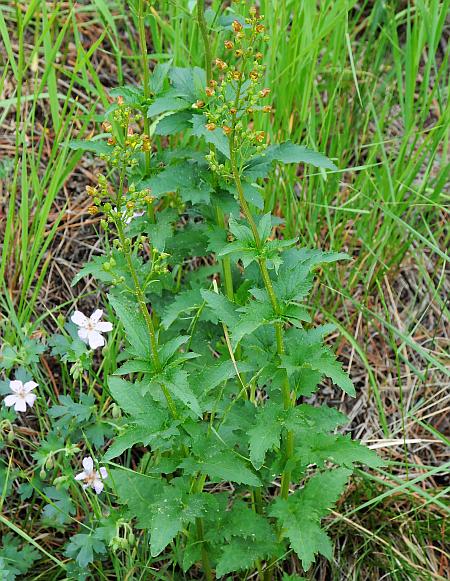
<point x="233" y="99"/>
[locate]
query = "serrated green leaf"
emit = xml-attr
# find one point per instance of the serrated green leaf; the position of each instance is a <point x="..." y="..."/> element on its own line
<point x="300" y="514"/>
<point x="215" y="137"/>
<point x="129" y="397"/>
<point x="167" y="103"/>
<point x="134" y="324"/>
<point x="174" y="123"/>
<point x="184" y="302"/>
<point x="307" y="351"/>
<point x="289" y="152"/>
<point x="315" y="419"/>
<point x="176" y="381"/>
<point x="224" y="465"/>
<point x="266" y="432"/>
<point x="221" y="306"/>
<point x="94" y="146"/>
<point x="188" y="179"/>
<point x="83" y="547"/>
<point x="319" y="448"/>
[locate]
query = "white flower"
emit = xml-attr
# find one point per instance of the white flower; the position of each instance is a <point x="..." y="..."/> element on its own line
<point x="135" y="215"/>
<point x="91" y="328"/>
<point x="21" y="395"/>
<point x="91" y="477"/>
<point x="127" y="219"/>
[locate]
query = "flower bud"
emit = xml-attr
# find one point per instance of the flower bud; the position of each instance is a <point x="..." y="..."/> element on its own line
<point x="237" y="26"/>
<point x="226" y="129"/>
<point x="259" y="136"/>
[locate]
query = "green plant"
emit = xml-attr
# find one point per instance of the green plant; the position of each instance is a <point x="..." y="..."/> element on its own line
<point x="213" y="383"/>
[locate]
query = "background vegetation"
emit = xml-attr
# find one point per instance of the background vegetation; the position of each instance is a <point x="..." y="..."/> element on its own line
<point x="367" y="83"/>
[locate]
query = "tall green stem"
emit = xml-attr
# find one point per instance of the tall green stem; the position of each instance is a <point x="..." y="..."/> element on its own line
<point x="288" y="442"/>
<point x="141" y="300"/>
<point x="145" y="76"/>
<point x="204" y="32"/>
<point x="220" y="218"/>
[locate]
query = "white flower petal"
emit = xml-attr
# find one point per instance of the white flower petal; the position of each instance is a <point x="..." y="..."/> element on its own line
<point x="79" y="319"/>
<point x="103" y="326"/>
<point x="83" y="334"/>
<point x="21" y="405"/>
<point x="30" y="398"/>
<point x="96" y="316"/>
<point x="98" y="486"/>
<point x="29" y="385"/>
<point x="10" y="400"/>
<point x="16" y="386"/>
<point x="81" y="476"/>
<point x="95" y="340"/>
<point x="88" y="464"/>
<point x="103" y="472"/>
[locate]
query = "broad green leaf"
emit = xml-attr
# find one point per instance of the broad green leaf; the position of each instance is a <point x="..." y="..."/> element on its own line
<point x="174" y="123"/>
<point x="314" y="419"/>
<point x="184" y="302"/>
<point x="307" y="351"/>
<point x="252" y="317"/>
<point x="266" y="432"/>
<point x="134" y="324"/>
<point x="215" y="137"/>
<point x="238" y="555"/>
<point x="129" y="397"/>
<point x="168" y="103"/>
<point x="189" y="179"/>
<point x="223" y="466"/>
<point x="83" y="547"/>
<point x="94" y="146"/>
<point x="221" y="307"/>
<point x="176" y="381"/>
<point x="188" y="82"/>
<point x="301" y="513"/>
<point x="319" y="448"/>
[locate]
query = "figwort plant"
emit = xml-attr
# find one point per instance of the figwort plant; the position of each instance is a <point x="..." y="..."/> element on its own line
<point x="220" y="350"/>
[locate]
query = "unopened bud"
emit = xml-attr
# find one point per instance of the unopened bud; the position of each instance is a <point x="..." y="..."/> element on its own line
<point x="237" y="26"/>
